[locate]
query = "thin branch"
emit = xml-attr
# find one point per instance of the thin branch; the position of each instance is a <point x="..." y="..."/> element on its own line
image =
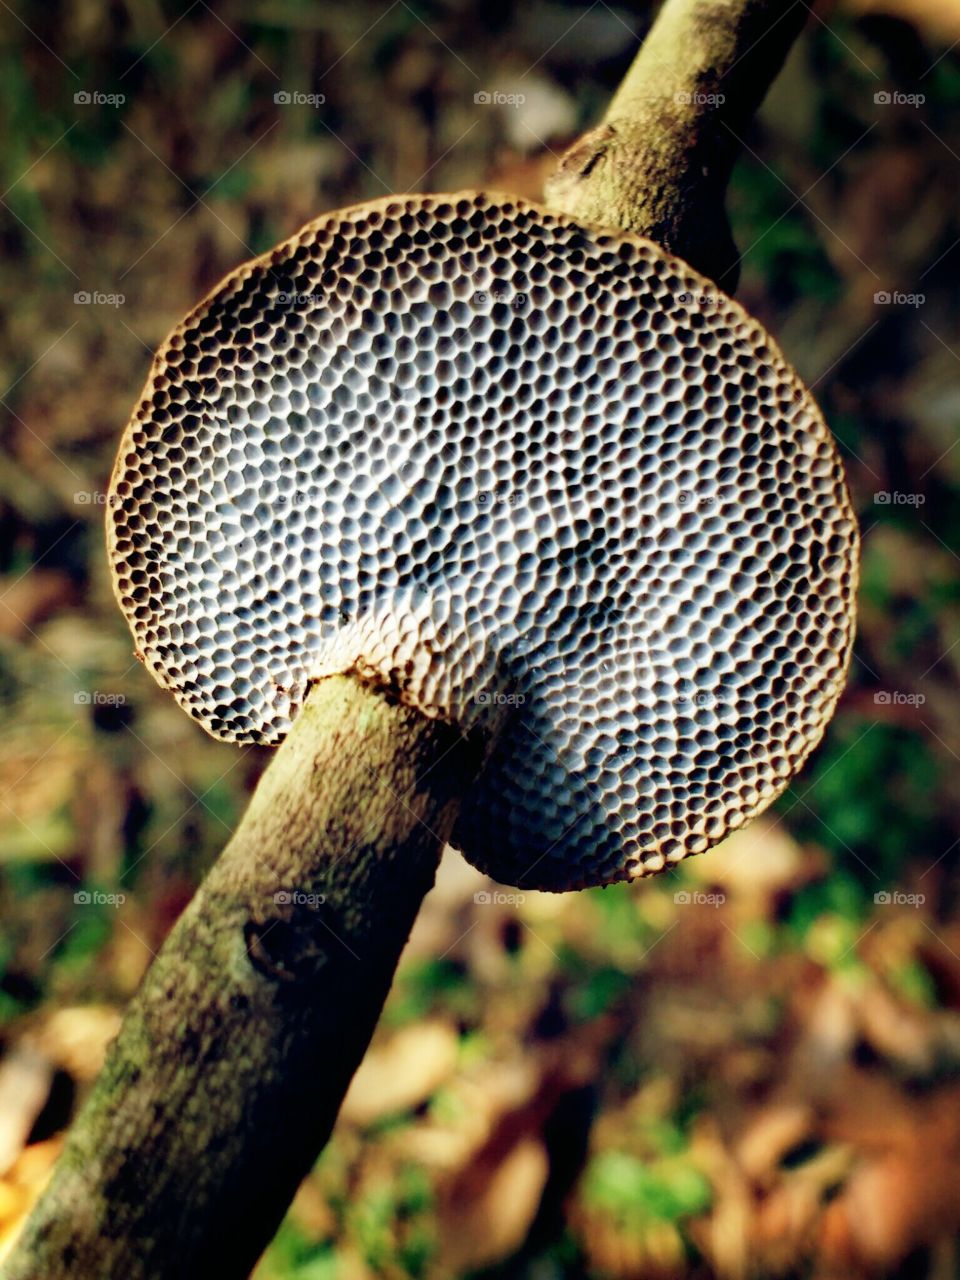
<point x="660" y="160"/>
<point x="235" y="1054"/>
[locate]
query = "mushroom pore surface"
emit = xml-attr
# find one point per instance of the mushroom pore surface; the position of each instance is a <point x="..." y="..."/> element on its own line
<point x="484" y="455"/>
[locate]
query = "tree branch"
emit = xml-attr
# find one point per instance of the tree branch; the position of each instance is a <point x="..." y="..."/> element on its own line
<point x="659" y="162"/>
<point x="234" y="1056"/>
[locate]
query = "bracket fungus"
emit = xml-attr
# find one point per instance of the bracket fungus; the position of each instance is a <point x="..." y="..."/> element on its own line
<point x="469" y="449"/>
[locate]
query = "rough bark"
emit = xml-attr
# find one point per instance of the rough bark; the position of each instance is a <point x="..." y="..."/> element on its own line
<point x="235" y="1054"/>
<point x="233" y="1058"/>
<point x="660" y="160"/>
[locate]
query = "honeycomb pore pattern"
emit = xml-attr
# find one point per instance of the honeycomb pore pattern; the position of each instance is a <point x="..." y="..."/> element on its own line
<point x="503" y="462"/>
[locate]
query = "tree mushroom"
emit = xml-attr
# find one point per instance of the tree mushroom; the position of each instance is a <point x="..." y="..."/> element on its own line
<point x="679" y="636"/>
<point x="473" y="451"/>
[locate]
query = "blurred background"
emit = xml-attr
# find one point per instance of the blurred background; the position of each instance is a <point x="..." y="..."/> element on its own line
<point x="747" y="1068"/>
